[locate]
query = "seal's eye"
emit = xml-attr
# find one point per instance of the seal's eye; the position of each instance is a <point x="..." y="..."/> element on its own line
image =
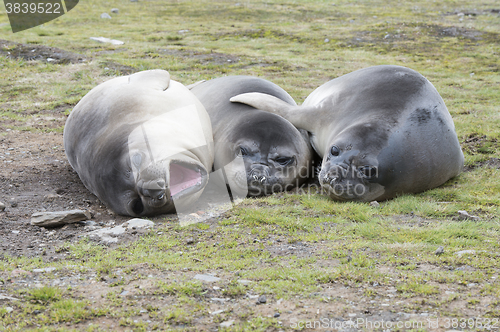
<point x="368" y="171"/>
<point x="284" y="161"/>
<point x="137" y="206"/>
<point x="244" y="151"/>
<point x="335" y="151"/>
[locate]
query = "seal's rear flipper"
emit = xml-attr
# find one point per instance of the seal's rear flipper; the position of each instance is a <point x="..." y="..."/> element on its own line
<point x="156" y="79"/>
<point x="272" y="104"/>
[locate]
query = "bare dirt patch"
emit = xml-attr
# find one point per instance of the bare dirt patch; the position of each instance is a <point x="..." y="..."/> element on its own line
<point x="480" y="144"/>
<point x="30" y="52"/>
<point x="36" y="177"/>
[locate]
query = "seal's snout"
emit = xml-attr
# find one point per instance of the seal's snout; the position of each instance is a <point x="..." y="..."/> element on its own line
<point x="334" y="174"/>
<point x="154" y="191"/>
<point x="258" y="175"/>
<point x="342" y="181"/>
<point x="256" y="179"/>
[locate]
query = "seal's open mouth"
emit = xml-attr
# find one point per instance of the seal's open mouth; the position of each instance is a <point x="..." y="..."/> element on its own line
<point x="186" y="178"/>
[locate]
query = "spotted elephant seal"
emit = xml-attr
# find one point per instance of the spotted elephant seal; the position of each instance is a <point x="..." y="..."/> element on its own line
<point x="141" y="143"/>
<point x="276" y="156"/>
<point x="381" y="131"/>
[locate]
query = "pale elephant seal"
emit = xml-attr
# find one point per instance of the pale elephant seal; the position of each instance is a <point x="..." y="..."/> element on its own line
<point x="141" y="143"/>
<point x="276" y="156"/>
<point x="381" y="131"/>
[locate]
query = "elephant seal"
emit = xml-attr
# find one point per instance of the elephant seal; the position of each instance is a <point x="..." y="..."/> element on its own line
<point x="276" y="156"/>
<point x="381" y="131"/>
<point x="141" y="143"/>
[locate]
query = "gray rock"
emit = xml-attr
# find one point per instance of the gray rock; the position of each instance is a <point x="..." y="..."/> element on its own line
<point x="115" y="10"/>
<point x="110" y="234"/>
<point x="262" y="299"/>
<point x="134" y="0"/>
<point x="217" y="312"/>
<point x="189" y="240"/>
<point x="7" y="298"/>
<point x="138" y="223"/>
<point x="9" y="309"/>
<point x="465" y="252"/>
<point x="54" y="219"/>
<point x="206" y="277"/>
<point x="227" y="324"/>
<point x="2" y="206"/>
<point x="439" y="250"/>
<point x="107" y="40"/>
<point x="464" y="215"/>
<point x="244" y="282"/>
<point x="216" y="299"/>
<point x="50" y="197"/>
<point x="47" y="269"/>
<point x="374" y="204"/>
<point x="13" y="203"/>
<point x="105" y="15"/>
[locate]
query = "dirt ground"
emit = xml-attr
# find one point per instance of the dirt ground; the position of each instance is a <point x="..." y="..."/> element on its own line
<point x="35" y="175"/>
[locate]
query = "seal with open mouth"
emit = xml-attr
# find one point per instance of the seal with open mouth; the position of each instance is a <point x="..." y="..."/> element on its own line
<point x="141" y="143"/>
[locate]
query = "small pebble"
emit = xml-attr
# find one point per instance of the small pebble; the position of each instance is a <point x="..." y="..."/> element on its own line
<point x="439" y="250"/>
<point x="2" y="206"/>
<point x="262" y="299"/>
<point x="189" y="240"/>
<point x="374" y="204"/>
<point x="276" y="315"/>
<point x="105" y="15"/>
<point x="115" y="10"/>
<point x="464" y="215"/>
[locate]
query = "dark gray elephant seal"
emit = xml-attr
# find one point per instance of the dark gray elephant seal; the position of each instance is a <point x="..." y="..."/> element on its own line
<point x="141" y="143"/>
<point x="381" y="131"/>
<point x="276" y="156"/>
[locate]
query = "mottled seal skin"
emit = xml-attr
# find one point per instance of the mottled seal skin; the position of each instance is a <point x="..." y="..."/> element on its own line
<point x="381" y="131"/>
<point x="141" y="143"/>
<point x="276" y="155"/>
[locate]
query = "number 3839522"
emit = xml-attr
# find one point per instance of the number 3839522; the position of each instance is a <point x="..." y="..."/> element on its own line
<point x="32" y="8"/>
<point x="472" y="323"/>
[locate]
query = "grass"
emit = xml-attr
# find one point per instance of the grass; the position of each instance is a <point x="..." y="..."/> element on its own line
<point x="298" y="248"/>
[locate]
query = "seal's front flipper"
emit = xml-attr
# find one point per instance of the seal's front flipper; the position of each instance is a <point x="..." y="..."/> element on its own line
<point x="271" y="104"/>
<point x="156" y="79"/>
